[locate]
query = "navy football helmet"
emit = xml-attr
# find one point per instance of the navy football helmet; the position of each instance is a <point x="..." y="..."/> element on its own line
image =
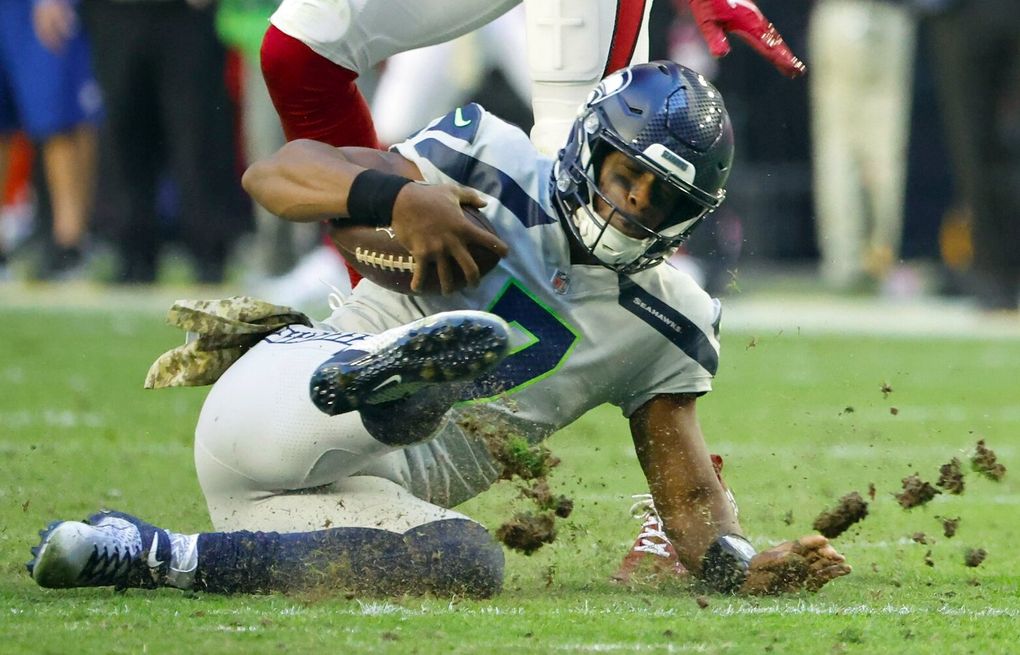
<point x="672" y="122"/>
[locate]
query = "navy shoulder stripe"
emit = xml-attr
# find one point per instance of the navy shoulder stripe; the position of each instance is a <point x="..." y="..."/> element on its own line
<point x="467" y="170"/>
<point x="670" y="323"/>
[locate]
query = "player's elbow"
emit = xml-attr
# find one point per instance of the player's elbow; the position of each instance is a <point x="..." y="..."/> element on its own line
<point x="255" y="181"/>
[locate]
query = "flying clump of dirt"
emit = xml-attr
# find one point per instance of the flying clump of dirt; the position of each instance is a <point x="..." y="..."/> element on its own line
<point x="950" y="526"/>
<point x="974" y="556"/>
<point x="546" y="500"/>
<point x="522" y="459"/>
<point x="984" y="462"/>
<point x="834" y="522"/>
<point x="530" y="463"/>
<point x="527" y="532"/>
<point x="915" y="492"/>
<point x="951" y="477"/>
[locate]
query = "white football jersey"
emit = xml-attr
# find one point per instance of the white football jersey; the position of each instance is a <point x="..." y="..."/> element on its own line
<point x="584" y="334"/>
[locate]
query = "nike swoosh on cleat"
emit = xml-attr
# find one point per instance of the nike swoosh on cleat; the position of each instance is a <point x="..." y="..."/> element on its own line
<point x="459" y="120"/>
<point x="393" y="379"/>
<point x="154" y="561"/>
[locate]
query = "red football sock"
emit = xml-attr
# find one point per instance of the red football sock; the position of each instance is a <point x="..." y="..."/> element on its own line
<point x="315" y="98"/>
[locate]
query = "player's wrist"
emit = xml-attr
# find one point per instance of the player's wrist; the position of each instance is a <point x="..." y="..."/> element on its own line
<point x="372" y="196"/>
<point x="726" y="562"/>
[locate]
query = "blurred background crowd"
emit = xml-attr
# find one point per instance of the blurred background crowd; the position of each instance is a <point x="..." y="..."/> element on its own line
<point x="892" y="169"/>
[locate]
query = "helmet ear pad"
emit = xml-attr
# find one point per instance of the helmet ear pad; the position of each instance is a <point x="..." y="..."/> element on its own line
<point x="571" y="180"/>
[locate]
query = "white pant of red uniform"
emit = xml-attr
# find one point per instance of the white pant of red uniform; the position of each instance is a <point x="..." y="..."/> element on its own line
<point x="572" y="44"/>
<point x="418" y="85"/>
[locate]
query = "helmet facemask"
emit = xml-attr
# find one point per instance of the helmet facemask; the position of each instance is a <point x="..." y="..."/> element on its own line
<point x="665" y="119"/>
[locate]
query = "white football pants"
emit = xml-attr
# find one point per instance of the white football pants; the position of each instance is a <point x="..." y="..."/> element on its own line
<point x="570" y="42"/>
<point x="419" y="85"/>
<point x="268" y="459"/>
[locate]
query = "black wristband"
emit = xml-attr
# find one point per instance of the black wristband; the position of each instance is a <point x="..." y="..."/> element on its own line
<point x="724" y="565"/>
<point x="372" y="196"/>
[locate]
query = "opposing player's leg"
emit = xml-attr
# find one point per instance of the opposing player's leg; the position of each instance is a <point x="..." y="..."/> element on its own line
<point x="572" y="44"/>
<point x="315" y="49"/>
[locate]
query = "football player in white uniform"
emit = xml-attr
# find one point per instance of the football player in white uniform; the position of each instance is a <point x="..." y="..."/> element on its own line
<point x="315" y="49"/>
<point x="348" y="443"/>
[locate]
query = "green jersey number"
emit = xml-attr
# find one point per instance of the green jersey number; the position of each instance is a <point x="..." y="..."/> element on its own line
<point x="550" y="342"/>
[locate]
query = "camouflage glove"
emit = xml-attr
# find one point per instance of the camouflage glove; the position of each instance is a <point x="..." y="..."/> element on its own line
<point x="225" y="329"/>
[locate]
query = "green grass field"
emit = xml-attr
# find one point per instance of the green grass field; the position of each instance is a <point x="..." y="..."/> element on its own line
<point x="800" y="420"/>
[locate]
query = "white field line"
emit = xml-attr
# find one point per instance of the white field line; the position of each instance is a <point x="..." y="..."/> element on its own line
<point x="52" y="418"/>
<point x="946" y="448"/>
<point x="576" y="647"/>
<point x="144" y="444"/>
<point x="832" y="315"/>
<point x="617" y="609"/>
<point x="865" y="610"/>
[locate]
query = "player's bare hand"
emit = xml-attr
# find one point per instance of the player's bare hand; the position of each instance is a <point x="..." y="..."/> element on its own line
<point x="742" y="18"/>
<point x="429" y="221"/>
<point x="807" y="563"/>
<point x="55" y="22"/>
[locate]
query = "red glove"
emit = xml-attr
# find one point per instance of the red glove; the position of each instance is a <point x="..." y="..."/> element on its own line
<point x="743" y="18"/>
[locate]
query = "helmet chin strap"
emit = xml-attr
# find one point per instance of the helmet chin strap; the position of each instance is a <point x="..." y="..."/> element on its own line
<point x="611" y="246"/>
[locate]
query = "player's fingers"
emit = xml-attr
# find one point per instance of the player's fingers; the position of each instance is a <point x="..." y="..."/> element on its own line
<point x="469" y="197"/>
<point x="715" y="37"/>
<point x="809" y="543"/>
<point x="824" y="563"/>
<point x="824" y="553"/>
<point x="468" y="265"/>
<point x="771" y="46"/>
<point x="820" y="578"/>
<point x="830" y="553"/>
<point x="446" y="278"/>
<point x="487" y="239"/>
<point x="419" y="275"/>
<point x="424" y="252"/>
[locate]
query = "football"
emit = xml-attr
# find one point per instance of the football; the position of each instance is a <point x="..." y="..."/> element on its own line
<point x="377" y="255"/>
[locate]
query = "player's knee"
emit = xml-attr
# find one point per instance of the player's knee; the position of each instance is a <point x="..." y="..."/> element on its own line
<point x="457" y="556"/>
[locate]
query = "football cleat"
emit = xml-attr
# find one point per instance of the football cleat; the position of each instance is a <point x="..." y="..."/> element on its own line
<point x="107" y="549"/>
<point x="651" y="542"/>
<point x="653" y="552"/>
<point x="445" y="348"/>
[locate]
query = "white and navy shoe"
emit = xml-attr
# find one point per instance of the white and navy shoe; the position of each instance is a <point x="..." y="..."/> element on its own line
<point x="107" y="549"/>
<point x="444" y="348"/>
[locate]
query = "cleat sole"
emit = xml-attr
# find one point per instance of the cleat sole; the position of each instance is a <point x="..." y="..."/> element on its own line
<point x="451" y="347"/>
